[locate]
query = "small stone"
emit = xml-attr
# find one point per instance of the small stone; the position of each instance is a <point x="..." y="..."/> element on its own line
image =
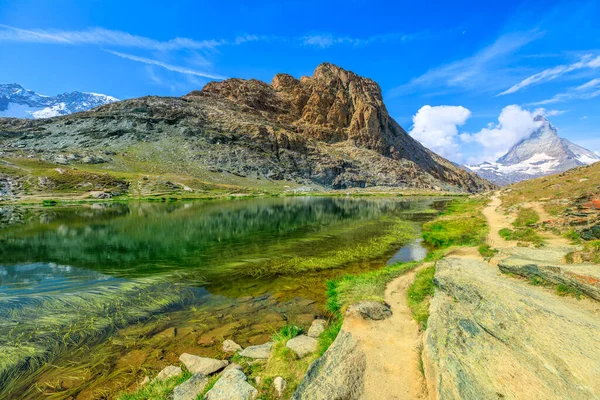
<point x="371" y="310"/>
<point x="190" y="389"/>
<point x="259" y="351"/>
<point x="168" y="373"/>
<point x="279" y="384"/>
<point x="317" y="327"/>
<point x="234" y="366"/>
<point x="145" y="381"/>
<point x="258" y="380"/>
<point x="229" y="346"/>
<point x="232" y="386"/>
<point x="302" y="345"/>
<point x="202" y="365"/>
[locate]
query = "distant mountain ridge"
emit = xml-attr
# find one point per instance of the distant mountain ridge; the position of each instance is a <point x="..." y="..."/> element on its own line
<point x="542" y="153"/>
<point x="18" y="102"/>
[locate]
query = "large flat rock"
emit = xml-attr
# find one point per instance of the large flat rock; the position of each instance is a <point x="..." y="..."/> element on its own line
<point x="338" y="374"/>
<point x="583" y="277"/>
<point x="491" y="336"/>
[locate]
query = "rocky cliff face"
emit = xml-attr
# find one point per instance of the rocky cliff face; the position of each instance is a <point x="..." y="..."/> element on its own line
<point x="330" y="129"/>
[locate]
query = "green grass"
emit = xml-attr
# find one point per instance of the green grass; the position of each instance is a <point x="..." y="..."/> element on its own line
<point x="462" y="224"/>
<point x="567" y="290"/>
<point x="419" y="295"/>
<point x="526" y="217"/>
<point x="525" y="235"/>
<point x="486" y="251"/>
<point x="156" y="390"/>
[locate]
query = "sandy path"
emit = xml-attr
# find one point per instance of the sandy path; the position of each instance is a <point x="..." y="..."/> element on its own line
<point x="391" y="347"/>
<point x="496" y="222"/>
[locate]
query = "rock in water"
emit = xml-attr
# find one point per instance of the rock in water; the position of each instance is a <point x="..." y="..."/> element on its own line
<point x="168" y="373"/>
<point x="338" y="374"/>
<point x="261" y="351"/>
<point x="190" y="389"/>
<point x="492" y="336"/>
<point x="317" y="327"/>
<point x="202" y="365"/>
<point x="279" y="384"/>
<point x="371" y="310"/>
<point x="302" y="345"/>
<point x="229" y="346"/>
<point x="232" y="386"/>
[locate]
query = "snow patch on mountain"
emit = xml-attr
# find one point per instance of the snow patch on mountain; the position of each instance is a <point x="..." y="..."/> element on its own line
<point x="18" y="102"/>
<point x="543" y="153"/>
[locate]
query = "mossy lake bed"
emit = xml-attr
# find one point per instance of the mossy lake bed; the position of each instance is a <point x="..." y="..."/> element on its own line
<point x="94" y="297"/>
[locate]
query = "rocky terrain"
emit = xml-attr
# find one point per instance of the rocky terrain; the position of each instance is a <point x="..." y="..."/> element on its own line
<point x="330" y="130"/>
<point x="543" y="153"/>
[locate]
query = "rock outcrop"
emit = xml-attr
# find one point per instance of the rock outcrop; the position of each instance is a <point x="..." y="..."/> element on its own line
<point x="491" y="336"/>
<point x="330" y="129"/>
<point x="232" y="385"/>
<point x="337" y="375"/>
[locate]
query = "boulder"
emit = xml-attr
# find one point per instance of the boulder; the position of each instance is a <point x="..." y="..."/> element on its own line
<point x="261" y="351"/>
<point x="229" y="346"/>
<point x="302" y="345"/>
<point x="493" y="336"/>
<point x="202" y="365"/>
<point x="279" y="384"/>
<point x="317" y="327"/>
<point x="190" y="389"/>
<point x="232" y="386"/>
<point x="233" y="366"/>
<point x="373" y="310"/>
<point x="168" y="373"/>
<point x="339" y="374"/>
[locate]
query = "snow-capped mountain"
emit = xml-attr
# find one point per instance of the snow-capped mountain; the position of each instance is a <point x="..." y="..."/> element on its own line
<point x="543" y="153"/>
<point x="17" y="102"/>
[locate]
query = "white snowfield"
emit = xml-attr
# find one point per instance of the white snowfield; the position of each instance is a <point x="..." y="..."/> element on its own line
<point x="18" y="102"/>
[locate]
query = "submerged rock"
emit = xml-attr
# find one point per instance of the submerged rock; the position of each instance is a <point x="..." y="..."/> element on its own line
<point x="492" y="336"/>
<point x="302" y="345"/>
<point x="190" y="389"/>
<point x="232" y="386"/>
<point x="229" y="346"/>
<point x="168" y="373"/>
<point x="317" y="327"/>
<point x="259" y="351"/>
<point x="338" y="374"/>
<point x="371" y="310"/>
<point x="202" y="365"/>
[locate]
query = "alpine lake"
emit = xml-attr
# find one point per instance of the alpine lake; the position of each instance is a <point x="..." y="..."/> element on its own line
<point x="94" y="296"/>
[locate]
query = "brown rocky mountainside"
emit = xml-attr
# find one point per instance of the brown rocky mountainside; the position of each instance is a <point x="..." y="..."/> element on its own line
<point x="331" y="129"/>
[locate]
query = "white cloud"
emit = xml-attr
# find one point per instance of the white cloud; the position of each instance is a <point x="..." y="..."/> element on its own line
<point x="514" y="124"/>
<point x="437" y="128"/>
<point x="586" y="91"/>
<point x="106" y="37"/>
<point x="170" y="67"/>
<point x="587" y="61"/>
<point x="325" y="40"/>
<point x="485" y="68"/>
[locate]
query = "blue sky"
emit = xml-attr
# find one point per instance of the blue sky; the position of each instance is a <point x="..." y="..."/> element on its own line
<point x="465" y="78"/>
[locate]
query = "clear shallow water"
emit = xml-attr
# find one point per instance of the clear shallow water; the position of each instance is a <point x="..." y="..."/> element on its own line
<point x="177" y="276"/>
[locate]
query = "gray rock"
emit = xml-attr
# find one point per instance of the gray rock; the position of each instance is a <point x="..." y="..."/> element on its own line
<point x="260" y="351"/>
<point x="317" y="327"/>
<point x="583" y="277"/>
<point x="229" y="346"/>
<point x="202" y="365"/>
<point x="232" y="386"/>
<point x="302" y="345"/>
<point x="233" y="366"/>
<point x="370" y="310"/>
<point x="190" y="389"/>
<point x="492" y="336"/>
<point x="339" y="374"/>
<point x="279" y="384"/>
<point x="168" y="373"/>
